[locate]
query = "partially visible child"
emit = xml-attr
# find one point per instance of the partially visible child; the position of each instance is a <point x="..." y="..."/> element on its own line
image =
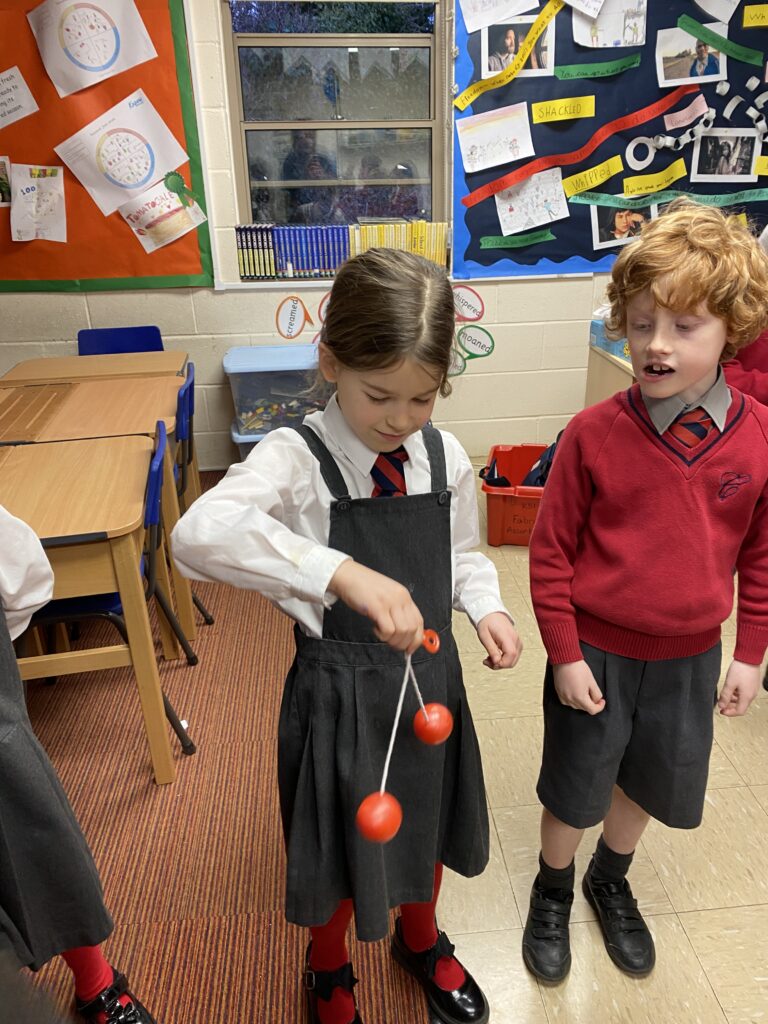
<point x="359" y="525"/>
<point x="748" y="370"/>
<point x="50" y="895"/>
<point x="654" y="496"/>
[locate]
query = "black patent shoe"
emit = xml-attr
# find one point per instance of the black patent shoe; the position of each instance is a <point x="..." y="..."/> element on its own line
<point x="465" y="1005"/>
<point x="320" y="985"/>
<point x="625" y="933"/>
<point x="107" y="1002"/>
<point x="546" y="939"/>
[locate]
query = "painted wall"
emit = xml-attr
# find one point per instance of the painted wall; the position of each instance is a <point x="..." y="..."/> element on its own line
<point x="526" y="390"/>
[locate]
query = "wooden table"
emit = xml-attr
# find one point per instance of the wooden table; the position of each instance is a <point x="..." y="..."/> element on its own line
<point x="606" y="374"/>
<point x="103" y="408"/>
<point x="85" y="500"/>
<point x="59" y="369"/>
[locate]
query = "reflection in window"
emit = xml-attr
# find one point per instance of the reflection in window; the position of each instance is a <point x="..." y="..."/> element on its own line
<point x="355" y="18"/>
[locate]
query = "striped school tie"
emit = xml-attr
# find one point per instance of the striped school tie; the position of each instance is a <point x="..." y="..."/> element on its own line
<point x="692" y="427"/>
<point x="389" y="475"/>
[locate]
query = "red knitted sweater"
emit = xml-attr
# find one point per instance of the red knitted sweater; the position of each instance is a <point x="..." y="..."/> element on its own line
<point x="637" y="536"/>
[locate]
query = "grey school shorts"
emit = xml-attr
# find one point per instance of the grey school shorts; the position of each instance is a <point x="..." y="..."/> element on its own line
<point x="653" y="739"/>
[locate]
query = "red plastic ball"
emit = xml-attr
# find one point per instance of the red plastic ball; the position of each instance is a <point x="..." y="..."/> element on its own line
<point x="431" y="641"/>
<point x="379" y="817"/>
<point x="436" y="727"/>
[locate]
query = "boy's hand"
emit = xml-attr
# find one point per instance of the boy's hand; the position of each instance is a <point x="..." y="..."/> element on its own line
<point x="576" y="687"/>
<point x="741" y="686"/>
<point x="499" y="637"/>
<point x="388" y="604"/>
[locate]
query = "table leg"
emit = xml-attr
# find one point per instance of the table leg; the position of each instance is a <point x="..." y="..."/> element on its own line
<point x="125" y="556"/>
<point x="181" y="586"/>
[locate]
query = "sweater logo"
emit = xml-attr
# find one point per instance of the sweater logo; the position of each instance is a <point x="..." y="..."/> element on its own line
<point x="730" y="483"/>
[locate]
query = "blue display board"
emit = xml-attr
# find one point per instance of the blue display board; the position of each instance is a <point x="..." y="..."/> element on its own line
<point x="572" y="249"/>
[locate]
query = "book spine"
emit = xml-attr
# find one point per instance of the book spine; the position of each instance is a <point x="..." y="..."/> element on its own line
<point x="240" y="256"/>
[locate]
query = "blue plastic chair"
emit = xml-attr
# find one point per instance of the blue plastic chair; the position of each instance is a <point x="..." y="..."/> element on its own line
<point x="108" y="606"/>
<point x="99" y="341"/>
<point x="184" y="435"/>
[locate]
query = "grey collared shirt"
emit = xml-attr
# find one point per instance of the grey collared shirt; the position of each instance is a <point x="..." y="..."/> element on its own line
<point x="716" y="402"/>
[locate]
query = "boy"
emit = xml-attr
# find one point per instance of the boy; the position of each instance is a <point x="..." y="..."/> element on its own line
<point x="654" y="496"/>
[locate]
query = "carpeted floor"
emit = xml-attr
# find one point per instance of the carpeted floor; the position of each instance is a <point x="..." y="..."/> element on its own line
<point x="193" y="872"/>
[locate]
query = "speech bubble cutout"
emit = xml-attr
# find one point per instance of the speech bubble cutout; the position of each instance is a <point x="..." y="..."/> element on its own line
<point x="292" y="317"/>
<point x="458" y="363"/>
<point x="323" y="306"/>
<point x="467" y="303"/>
<point x="475" y="341"/>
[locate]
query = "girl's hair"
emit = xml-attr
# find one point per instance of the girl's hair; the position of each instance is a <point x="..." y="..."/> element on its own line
<point x="693" y="256"/>
<point x="386" y="305"/>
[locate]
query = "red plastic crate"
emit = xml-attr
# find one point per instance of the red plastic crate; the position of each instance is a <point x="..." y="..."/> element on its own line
<point x="512" y="510"/>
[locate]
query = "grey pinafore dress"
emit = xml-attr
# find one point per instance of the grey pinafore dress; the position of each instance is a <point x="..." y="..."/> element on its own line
<point x="50" y="893"/>
<point x="337" y="713"/>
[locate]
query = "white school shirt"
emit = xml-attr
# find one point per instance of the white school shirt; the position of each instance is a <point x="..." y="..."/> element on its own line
<point x="265" y="526"/>
<point x="26" y="577"/>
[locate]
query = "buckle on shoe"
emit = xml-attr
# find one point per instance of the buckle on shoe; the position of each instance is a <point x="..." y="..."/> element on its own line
<point x="309" y="979"/>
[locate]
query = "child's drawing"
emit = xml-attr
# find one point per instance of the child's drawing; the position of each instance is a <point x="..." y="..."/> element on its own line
<point x="619" y="23"/>
<point x="496" y="137"/>
<point x="539" y="200"/>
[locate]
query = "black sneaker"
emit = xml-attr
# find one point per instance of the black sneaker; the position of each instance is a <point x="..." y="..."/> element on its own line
<point x="546" y="942"/>
<point x="625" y="933"/>
<point x="107" y="1006"/>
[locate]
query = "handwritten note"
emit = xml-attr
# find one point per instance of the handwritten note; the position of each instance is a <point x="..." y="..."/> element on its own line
<point x="16" y="101"/>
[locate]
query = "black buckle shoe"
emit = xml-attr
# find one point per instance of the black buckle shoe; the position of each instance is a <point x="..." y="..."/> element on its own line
<point x="546" y="939"/>
<point x="465" y="1005"/>
<point x="107" y="1002"/>
<point x="625" y="933"/>
<point x="320" y="985"/>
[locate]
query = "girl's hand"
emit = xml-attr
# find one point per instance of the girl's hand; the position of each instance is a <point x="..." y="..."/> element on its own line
<point x="388" y="604"/>
<point x="499" y="637"/>
<point x="576" y="687"/>
<point x="741" y="686"/>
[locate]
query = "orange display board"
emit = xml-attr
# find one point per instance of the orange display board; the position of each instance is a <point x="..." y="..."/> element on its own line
<point x="101" y="253"/>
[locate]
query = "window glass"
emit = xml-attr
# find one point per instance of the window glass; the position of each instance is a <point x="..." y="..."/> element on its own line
<point x="354" y="18"/>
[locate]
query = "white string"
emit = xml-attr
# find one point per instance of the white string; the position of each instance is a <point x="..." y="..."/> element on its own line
<point x="408" y="673"/>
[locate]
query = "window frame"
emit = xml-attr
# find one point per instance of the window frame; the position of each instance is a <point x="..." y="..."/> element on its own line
<point x="438" y="122"/>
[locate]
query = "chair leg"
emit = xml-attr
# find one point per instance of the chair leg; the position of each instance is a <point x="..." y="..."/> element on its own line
<point x="187" y="746"/>
<point x="165" y="606"/>
<point x="207" y="617"/>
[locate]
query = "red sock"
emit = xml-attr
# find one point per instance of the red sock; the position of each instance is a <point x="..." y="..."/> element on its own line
<point x="329" y="952"/>
<point x="420" y="932"/>
<point x="92" y="973"/>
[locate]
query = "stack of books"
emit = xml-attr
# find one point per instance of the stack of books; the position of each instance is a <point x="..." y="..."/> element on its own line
<point x="274" y="252"/>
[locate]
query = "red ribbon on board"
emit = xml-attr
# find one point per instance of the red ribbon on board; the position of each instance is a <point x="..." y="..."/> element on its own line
<point x="559" y="159"/>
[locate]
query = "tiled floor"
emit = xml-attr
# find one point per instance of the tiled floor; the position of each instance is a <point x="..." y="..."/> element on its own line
<point x="704" y="893"/>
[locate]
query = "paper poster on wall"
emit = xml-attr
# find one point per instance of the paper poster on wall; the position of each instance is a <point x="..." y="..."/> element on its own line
<point x="539" y="200"/>
<point x="619" y="23"/>
<point x="480" y="13"/>
<point x="726" y="154"/>
<point x="495" y="137"/>
<point x="682" y="59"/>
<point x="291" y="317"/>
<point x="501" y="42"/>
<point x="16" y="99"/>
<point x="589" y="7"/>
<point x="467" y="303"/>
<point x="720" y="9"/>
<point x="83" y="43"/>
<point x="5" y="181"/>
<point x="614" y="226"/>
<point x="159" y="216"/>
<point x="37" y="203"/>
<point x="120" y="154"/>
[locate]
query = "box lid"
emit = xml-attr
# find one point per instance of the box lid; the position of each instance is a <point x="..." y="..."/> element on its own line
<point x="257" y="358"/>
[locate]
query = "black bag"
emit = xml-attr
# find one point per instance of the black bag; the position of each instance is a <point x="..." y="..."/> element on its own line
<point x="539" y="471"/>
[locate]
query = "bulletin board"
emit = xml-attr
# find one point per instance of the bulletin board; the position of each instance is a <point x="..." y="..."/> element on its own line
<point x="101" y="252"/>
<point x="580" y="110"/>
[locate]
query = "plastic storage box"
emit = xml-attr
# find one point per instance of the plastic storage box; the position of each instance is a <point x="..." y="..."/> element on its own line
<point x="268" y="384"/>
<point x="512" y="510"/>
<point x="597" y="337"/>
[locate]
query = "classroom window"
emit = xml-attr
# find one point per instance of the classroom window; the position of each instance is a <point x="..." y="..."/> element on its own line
<point x="341" y="111"/>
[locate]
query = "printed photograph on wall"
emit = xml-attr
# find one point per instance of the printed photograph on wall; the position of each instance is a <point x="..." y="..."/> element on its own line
<point x="681" y="59"/>
<point x="725" y="154"/>
<point x="500" y="44"/>
<point x="617" y="225"/>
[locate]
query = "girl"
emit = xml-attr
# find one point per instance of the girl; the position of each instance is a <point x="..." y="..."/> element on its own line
<point x="50" y="894"/>
<point x="301" y="522"/>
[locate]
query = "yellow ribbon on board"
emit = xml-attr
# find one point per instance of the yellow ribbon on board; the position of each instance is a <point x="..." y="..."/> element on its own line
<point x="470" y="94"/>
<point x="643" y="184"/>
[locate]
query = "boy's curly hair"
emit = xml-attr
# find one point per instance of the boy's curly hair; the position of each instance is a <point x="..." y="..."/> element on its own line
<point x="693" y="256"/>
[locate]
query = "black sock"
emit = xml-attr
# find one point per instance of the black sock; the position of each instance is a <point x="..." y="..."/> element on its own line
<point x="556" y="878"/>
<point x="608" y="864"/>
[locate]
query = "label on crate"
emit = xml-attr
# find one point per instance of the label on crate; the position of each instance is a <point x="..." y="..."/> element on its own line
<point x="292" y="317"/>
<point x="475" y="341"/>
